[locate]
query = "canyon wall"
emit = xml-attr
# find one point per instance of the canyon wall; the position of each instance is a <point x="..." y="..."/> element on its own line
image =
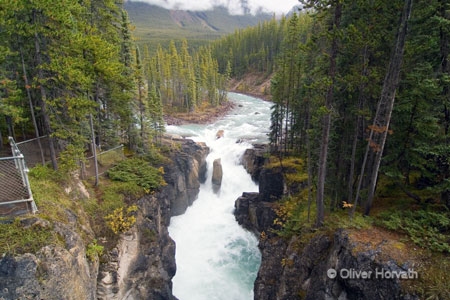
<point x="310" y="267"/>
<point x="140" y="266"/>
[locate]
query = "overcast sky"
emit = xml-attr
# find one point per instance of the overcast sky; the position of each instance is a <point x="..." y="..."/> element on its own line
<point x="276" y="6"/>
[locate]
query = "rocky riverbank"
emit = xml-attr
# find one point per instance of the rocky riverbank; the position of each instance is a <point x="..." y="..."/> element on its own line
<point x="252" y="84"/>
<point x="299" y="267"/>
<point x="201" y="116"/>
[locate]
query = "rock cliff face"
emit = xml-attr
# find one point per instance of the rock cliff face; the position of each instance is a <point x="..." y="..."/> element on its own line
<point x="298" y="269"/>
<point x="141" y="265"/>
<point x="292" y="269"/>
<point x="184" y="175"/>
<point x="253" y="160"/>
<point x="54" y="272"/>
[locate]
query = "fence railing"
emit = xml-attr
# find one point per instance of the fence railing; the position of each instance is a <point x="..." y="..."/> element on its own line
<point x="36" y="151"/>
<point x="15" y="191"/>
<point x="105" y="160"/>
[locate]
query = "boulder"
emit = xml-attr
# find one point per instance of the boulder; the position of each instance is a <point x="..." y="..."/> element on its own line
<point x="253" y="214"/>
<point x="272" y="185"/>
<point x="54" y="272"/>
<point x="217" y="175"/>
<point x="219" y="134"/>
<point x="254" y="159"/>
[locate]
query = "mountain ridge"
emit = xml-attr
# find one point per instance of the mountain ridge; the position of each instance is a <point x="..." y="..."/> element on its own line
<point x="156" y="24"/>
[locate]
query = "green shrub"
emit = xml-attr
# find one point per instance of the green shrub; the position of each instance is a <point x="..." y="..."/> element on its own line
<point x="428" y="229"/>
<point x="19" y="240"/>
<point x="137" y="171"/>
<point x="94" y="250"/>
<point x="41" y="172"/>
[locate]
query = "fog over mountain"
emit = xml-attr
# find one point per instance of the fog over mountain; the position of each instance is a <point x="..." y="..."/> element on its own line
<point x="234" y="6"/>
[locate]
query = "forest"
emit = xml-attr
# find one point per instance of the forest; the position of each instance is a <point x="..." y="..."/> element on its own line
<point x="360" y="119"/>
<point x="362" y="93"/>
<point x="360" y="89"/>
<point x="68" y="64"/>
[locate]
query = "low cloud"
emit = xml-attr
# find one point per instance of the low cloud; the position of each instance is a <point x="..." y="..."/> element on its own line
<point x="234" y="6"/>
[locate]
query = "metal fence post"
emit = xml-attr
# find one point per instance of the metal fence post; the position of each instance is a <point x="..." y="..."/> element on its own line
<point x="14" y="176"/>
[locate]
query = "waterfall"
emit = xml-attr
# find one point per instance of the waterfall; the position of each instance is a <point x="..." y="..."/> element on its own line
<point x="216" y="258"/>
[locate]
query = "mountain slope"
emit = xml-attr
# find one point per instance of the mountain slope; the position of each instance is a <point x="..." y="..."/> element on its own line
<point x="158" y="25"/>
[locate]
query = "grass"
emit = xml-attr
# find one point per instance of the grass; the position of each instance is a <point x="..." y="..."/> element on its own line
<point x="433" y="278"/>
<point x="17" y="239"/>
<point x="110" y="158"/>
<point x="49" y="194"/>
<point x="58" y="198"/>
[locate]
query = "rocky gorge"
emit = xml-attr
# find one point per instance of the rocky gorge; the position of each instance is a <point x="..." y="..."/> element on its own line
<point x="311" y="267"/>
<point x="142" y="263"/>
<point x="140" y="266"/>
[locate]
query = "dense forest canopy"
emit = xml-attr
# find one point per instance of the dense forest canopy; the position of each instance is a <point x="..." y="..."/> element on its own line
<point x="360" y="89"/>
<point x="252" y="49"/>
<point x="65" y="64"/>
<point x="362" y="93"/>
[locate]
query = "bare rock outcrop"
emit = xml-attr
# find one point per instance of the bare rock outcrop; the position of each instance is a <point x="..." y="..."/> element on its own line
<point x="220" y="134"/>
<point x="184" y="175"/>
<point x="142" y="264"/>
<point x="254" y="159"/>
<point x="54" y="272"/>
<point x="217" y="175"/>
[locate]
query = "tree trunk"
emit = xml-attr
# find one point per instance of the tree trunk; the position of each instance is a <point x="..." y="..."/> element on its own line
<point x="326" y="121"/>
<point x="309" y="160"/>
<point x="94" y="149"/>
<point x="30" y="102"/>
<point x="10" y="126"/>
<point x="43" y="102"/>
<point x="359" y="125"/>
<point x="380" y="127"/>
<point x="1" y="140"/>
<point x="445" y="70"/>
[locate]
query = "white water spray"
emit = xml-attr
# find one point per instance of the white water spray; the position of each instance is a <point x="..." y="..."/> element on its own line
<point x="216" y="258"/>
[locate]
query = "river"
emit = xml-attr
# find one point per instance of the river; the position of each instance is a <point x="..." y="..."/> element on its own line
<point x="216" y="258"/>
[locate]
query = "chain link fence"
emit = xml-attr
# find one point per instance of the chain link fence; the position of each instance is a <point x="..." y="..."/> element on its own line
<point x="15" y="192"/>
<point x="36" y="151"/>
<point x="105" y="160"/>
